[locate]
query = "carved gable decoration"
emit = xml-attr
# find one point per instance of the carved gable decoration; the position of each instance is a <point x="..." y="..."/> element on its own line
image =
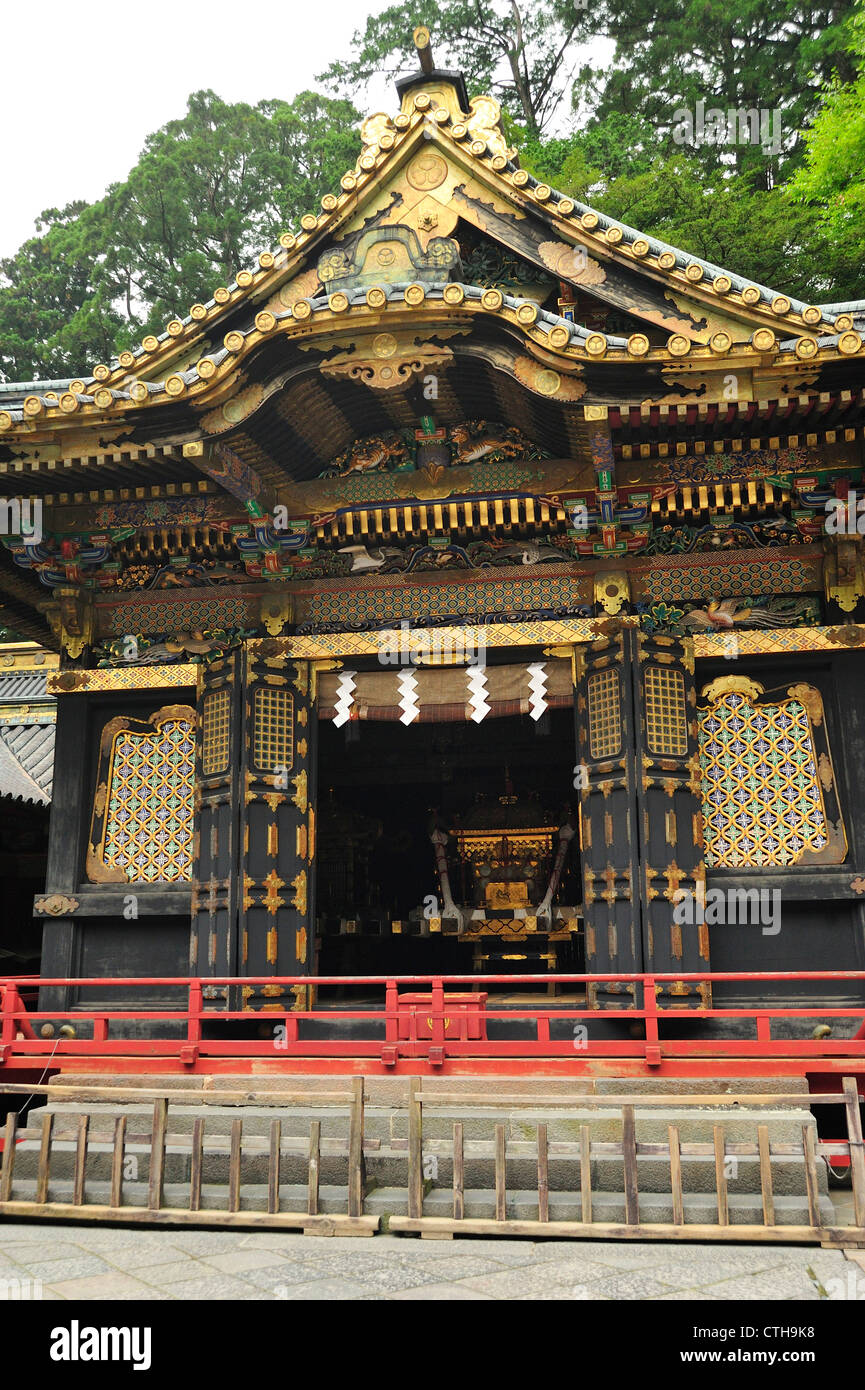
<point x="388" y="255"/>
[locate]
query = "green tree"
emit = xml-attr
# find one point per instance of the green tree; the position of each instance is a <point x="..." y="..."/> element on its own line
<point x="745" y="54"/>
<point x="55" y="303"/>
<point x="521" y="52"/>
<point x="209" y="191"/>
<point x="215" y="187"/>
<point x="832" y="179"/>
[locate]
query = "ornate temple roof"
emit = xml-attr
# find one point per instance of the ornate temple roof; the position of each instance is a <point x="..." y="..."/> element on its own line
<point x="439" y="280"/>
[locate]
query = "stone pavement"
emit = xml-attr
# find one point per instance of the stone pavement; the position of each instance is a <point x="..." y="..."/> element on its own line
<point x="71" y="1261"/>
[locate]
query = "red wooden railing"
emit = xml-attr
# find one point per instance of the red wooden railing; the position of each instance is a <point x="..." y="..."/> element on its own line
<point x="436" y="1020"/>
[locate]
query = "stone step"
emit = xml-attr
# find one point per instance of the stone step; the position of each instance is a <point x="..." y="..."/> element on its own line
<point x="744" y="1209"/>
<point x="388" y="1124"/>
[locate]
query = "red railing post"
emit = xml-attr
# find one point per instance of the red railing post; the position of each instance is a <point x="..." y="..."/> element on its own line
<point x="7" y="1026"/>
<point x="391" y="1012"/>
<point x="438" y="1012"/>
<point x="194" y="1010"/>
<point x="650" y="1006"/>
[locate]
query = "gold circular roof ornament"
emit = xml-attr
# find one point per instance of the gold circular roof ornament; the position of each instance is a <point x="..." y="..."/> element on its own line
<point x="174" y="328"/>
<point x="175" y="385"/>
<point x="77" y="385"/>
<point x="763" y="340"/>
<point x="386" y="141"/>
<point x="720" y="342"/>
<point x="138" y="391"/>
<point x="402" y="121"/>
<point x="843" y="321"/>
<point x="722" y="284"/>
<point x="126" y="359"/>
<point x="233" y="341"/>
<point x="206" y="368"/>
<point x="478" y="147"/>
<point x="103" y="398"/>
<point x="366" y="162"/>
<point x="596" y="344"/>
<point x="849" y="343"/>
<point x="498" y="163"/>
<point x="520" y="178"/>
<point x="565" y="206"/>
<point x="614" y="235"/>
<point x="265" y="260"/>
<point x="150" y="343"/>
<point x="101" y="372"/>
<point x="547" y="381"/>
<point x="559" y="337"/>
<point x="222" y="295"/>
<point x="806" y="347"/>
<point x="244" y="278"/>
<point x="751" y="295"/>
<point x="678" y="345"/>
<point x="265" y="321"/>
<point x="781" y="304"/>
<point x="453" y="294"/>
<point x="640" y="247"/>
<point x="385" y="344"/>
<point x="338" y="303"/>
<point x="302" y="309"/>
<point x="441" y="115"/>
<point x="348" y="183"/>
<point x="693" y="272"/>
<point x="288" y="240"/>
<point x="492" y="299"/>
<point x="308" y="222"/>
<point x="812" y="314"/>
<point x="638" y="345"/>
<point x="543" y="192"/>
<point x="414" y="294"/>
<point x="528" y="313"/>
<point x="589" y="220"/>
<point x="5" y="421"/>
<point x="422" y="101"/>
<point x="376" y="297"/>
<point x="68" y="402"/>
<point x="667" y="260"/>
<point x="198" y="312"/>
<point x="329" y="202"/>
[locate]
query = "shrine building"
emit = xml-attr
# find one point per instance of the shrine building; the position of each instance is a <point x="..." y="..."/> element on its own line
<point x="472" y="586"/>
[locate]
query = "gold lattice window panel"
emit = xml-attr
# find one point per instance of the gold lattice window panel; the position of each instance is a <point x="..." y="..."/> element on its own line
<point x="215" y="732"/>
<point x="768" y="786"/>
<point x="605" y="714"/>
<point x="666" y="712"/>
<point x="141" y="828"/>
<point x="273" y="729"/>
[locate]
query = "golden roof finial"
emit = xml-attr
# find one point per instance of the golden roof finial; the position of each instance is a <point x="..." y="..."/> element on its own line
<point x="421" y="39"/>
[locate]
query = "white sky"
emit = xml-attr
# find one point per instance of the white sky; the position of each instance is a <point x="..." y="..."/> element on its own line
<point x="81" y="90"/>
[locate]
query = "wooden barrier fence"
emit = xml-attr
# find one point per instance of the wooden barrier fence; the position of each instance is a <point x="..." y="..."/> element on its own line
<point x="628" y="1150"/>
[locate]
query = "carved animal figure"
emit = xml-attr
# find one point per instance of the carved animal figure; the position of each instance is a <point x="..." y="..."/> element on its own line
<point x="363" y="559"/>
<point x="470" y="447"/>
<point x="373" y="454"/>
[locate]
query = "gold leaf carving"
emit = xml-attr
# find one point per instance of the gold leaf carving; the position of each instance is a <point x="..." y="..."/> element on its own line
<point x="571" y="263"/>
<point x="810" y="698"/>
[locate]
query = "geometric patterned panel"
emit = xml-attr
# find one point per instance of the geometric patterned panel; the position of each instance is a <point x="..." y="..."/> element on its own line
<point x="148" y="825"/>
<point x="215" y="730"/>
<point x="762" y="802"/>
<point x="666" y="714"/>
<point x="672" y="582"/>
<point x="343" y="608"/>
<point x="273" y="730"/>
<point x="605" y="714"/>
